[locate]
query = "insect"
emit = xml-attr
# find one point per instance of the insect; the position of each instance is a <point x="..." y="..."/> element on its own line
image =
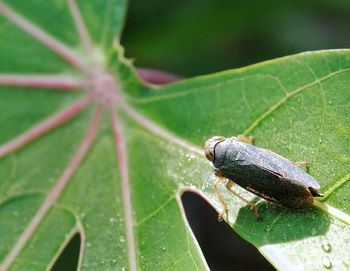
<point x="260" y="171"/>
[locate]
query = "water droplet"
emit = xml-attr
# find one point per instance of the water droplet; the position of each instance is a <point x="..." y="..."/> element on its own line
<point x="313" y="231"/>
<point x="285" y="237"/>
<point x="163" y="248"/>
<point x="327" y="262"/>
<point x="267" y="229"/>
<point x="326" y="247"/>
<point x="122" y="239"/>
<point x="88" y="244"/>
<point x="320" y="140"/>
<point x="190" y="156"/>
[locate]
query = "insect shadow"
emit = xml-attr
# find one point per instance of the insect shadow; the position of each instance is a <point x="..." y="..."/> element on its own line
<point x="280" y="225"/>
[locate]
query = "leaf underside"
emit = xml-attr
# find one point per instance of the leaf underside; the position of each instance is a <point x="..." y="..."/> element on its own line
<point x="89" y="148"/>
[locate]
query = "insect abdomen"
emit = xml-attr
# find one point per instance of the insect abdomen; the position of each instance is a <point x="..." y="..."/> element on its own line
<point x="266" y="184"/>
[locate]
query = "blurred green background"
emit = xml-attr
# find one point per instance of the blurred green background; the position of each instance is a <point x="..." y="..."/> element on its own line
<point x="192" y="37"/>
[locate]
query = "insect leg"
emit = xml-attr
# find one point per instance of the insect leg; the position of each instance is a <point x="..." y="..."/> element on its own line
<point x="303" y="164"/>
<point x="216" y="184"/>
<point x="249" y="140"/>
<point x="228" y="187"/>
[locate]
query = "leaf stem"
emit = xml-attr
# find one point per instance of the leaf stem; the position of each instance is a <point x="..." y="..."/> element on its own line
<point x="157" y="77"/>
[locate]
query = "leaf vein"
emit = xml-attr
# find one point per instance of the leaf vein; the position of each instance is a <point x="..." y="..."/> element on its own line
<point x="56" y="190"/>
<point x="287" y="97"/>
<point x="156" y="211"/>
<point x="43" y="37"/>
<point x="342" y="181"/>
<point x="44" y="127"/>
<point x="42" y="81"/>
<point x="81" y="27"/>
<point x="124" y="176"/>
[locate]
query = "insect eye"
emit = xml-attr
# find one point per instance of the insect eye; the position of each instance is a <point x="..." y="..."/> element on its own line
<point x="209" y="154"/>
<point x="210" y="145"/>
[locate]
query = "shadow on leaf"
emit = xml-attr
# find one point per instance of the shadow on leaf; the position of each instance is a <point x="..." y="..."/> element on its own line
<point x="280" y="225"/>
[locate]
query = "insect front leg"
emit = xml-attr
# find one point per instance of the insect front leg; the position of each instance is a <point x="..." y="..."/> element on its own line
<point x="249" y="140"/>
<point x="229" y="186"/>
<point x="220" y="197"/>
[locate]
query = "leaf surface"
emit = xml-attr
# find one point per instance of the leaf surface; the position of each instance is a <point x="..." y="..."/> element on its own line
<point x="88" y="148"/>
<point x="296" y="106"/>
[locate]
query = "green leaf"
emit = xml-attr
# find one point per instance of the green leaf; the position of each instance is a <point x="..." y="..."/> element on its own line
<point x="88" y="148"/>
<point x="65" y="166"/>
<point x="296" y="106"/>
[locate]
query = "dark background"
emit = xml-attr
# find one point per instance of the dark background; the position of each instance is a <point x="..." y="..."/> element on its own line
<point x="194" y="37"/>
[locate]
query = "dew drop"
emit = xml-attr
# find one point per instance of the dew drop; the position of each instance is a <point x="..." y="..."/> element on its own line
<point x="327" y="262"/>
<point x="205" y="185"/>
<point x="326" y="247"/>
<point x="285" y="237"/>
<point x="313" y="231"/>
<point x="190" y="156"/>
<point x="267" y="229"/>
<point x="320" y="140"/>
